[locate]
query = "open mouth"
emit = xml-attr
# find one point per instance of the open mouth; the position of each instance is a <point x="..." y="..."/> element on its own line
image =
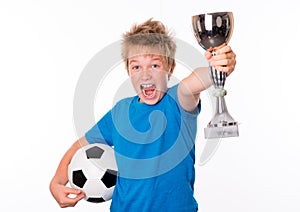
<point x="149" y="90"/>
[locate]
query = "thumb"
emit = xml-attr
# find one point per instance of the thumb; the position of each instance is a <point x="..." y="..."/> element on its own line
<point x="79" y="196"/>
<point x="208" y="55"/>
<point x="73" y="191"/>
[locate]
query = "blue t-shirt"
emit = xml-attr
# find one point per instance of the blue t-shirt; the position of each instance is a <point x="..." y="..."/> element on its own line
<point x="155" y="154"/>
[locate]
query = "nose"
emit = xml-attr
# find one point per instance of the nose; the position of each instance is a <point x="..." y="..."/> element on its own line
<point x="146" y="74"/>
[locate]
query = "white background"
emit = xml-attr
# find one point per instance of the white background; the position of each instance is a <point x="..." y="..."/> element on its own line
<point x="45" y="45"/>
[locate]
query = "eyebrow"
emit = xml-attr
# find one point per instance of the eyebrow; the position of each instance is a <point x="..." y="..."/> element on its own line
<point x="154" y="58"/>
<point x="133" y="61"/>
<point x="157" y="58"/>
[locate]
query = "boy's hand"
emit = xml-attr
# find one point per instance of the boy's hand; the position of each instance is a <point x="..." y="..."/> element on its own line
<point x="61" y="195"/>
<point x="65" y="196"/>
<point x="224" y="59"/>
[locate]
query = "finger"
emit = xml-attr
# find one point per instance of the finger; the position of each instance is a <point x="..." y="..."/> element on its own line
<point x="227" y="69"/>
<point x="225" y="49"/>
<point x="208" y="55"/>
<point x="68" y="201"/>
<point x="72" y="191"/>
<point x="228" y="55"/>
<point x="223" y="62"/>
<point x="210" y="49"/>
<point x="79" y="197"/>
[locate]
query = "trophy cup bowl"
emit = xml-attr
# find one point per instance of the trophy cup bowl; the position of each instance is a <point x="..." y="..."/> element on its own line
<point x="212" y="31"/>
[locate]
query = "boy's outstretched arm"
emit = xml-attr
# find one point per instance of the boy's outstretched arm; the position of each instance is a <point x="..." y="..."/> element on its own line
<point x="199" y="80"/>
<point x="58" y="187"/>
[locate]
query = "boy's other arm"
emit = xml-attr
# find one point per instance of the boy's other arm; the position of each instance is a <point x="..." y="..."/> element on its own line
<point x="199" y="80"/>
<point x="58" y="187"/>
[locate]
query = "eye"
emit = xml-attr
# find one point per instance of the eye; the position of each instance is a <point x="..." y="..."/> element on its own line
<point x="155" y="66"/>
<point x="135" y="68"/>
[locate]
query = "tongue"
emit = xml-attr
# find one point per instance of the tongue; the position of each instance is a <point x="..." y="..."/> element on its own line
<point x="149" y="92"/>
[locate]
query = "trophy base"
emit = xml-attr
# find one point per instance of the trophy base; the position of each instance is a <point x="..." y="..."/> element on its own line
<point x="221" y="132"/>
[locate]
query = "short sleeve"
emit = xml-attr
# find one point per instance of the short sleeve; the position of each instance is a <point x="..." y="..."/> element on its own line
<point x="101" y="132"/>
<point x="172" y="92"/>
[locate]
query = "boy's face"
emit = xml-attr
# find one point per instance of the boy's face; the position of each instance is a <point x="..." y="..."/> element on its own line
<point x="149" y="77"/>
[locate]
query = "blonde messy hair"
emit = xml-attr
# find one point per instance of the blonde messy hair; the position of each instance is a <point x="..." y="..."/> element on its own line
<point x="150" y="37"/>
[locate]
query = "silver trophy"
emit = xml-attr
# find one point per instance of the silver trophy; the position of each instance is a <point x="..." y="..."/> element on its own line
<point x="212" y="31"/>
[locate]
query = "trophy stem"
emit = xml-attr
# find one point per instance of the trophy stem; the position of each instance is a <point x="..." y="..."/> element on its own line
<point x="221" y="105"/>
<point x="222" y="117"/>
<point x="222" y="124"/>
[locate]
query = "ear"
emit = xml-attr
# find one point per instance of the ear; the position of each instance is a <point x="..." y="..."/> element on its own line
<point x="171" y="70"/>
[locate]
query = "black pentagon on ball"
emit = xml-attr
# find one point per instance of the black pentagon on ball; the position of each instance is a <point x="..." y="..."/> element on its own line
<point x="94" y="152"/>
<point x="110" y="178"/>
<point x="78" y="178"/>
<point x="95" y="199"/>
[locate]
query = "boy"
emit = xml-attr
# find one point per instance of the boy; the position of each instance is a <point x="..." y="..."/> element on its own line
<point x="152" y="133"/>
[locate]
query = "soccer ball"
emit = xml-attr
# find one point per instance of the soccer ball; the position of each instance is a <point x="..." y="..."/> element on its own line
<point x="93" y="169"/>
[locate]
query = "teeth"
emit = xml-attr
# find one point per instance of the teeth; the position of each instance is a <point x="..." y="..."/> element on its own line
<point x="144" y="92"/>
<point x="146" y="89"/>
<point x="146" y="85"/>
